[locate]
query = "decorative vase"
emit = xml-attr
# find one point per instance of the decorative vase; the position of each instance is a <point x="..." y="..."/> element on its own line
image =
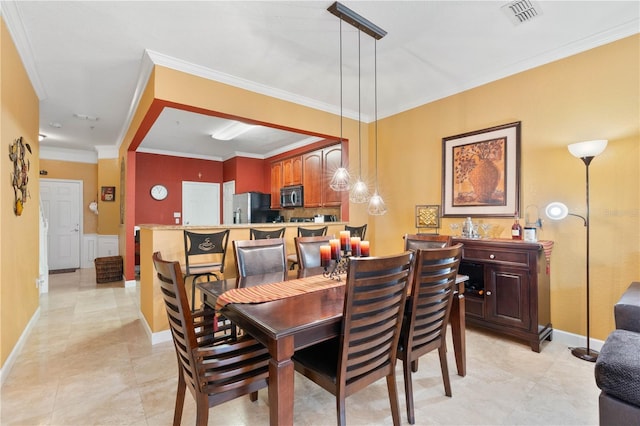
<point x="484" y="177"/>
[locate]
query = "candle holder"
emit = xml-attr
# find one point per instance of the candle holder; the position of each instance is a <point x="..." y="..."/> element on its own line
<point x="335" y="257"/>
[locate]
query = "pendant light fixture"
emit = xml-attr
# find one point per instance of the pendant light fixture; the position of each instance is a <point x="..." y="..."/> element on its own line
<point x="376" y="203"/>
<point x="340" y="178"/>
<point x="359" y="190"/>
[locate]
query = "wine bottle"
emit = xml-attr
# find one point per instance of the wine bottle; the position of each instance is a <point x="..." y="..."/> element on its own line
<point x="516" y="229"/>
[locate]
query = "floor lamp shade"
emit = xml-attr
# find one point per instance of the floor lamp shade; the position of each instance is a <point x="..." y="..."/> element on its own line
<point x="586" y="151"/>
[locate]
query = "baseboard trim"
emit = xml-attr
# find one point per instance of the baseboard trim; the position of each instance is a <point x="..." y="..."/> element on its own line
<point x="17" y="349"/>
<point x="155" y="338"/>
<point x="575" y="340"/>
<point x="130" y="283"/>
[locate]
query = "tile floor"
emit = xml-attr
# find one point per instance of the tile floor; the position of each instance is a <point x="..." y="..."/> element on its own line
<point x="88" y="361"/>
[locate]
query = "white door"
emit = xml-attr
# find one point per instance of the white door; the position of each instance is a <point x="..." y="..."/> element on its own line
<point x="228" y="189"/>
<point x="62" y="207"/>
<point x="200" y="203"/>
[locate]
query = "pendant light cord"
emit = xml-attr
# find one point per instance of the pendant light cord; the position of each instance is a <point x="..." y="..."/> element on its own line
<point x="375" y="100"/>
<point x="341" y="116"/>
<point x="359" y="115"/>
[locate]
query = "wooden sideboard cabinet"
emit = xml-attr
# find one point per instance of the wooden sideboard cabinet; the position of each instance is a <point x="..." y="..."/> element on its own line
<point x="508" y="288"/>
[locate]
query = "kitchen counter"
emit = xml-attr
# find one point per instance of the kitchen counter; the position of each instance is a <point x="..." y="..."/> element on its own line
<point x="169" y="241"/>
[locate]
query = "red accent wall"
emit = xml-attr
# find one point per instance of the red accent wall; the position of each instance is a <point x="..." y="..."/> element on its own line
<point x="152" y="169"/>
<point x="248" y="174"/>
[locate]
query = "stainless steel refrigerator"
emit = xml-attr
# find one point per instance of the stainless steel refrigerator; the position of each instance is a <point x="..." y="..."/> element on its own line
<point x="253" y="207"/>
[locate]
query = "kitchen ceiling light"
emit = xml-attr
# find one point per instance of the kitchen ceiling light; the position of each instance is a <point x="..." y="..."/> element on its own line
<point x="41" y="137"/>
<point x="232" y="131"/>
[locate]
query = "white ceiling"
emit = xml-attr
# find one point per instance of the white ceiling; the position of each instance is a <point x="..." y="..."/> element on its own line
<point x="88" y="58"/>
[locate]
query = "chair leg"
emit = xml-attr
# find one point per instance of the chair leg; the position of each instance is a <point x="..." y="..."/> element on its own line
<point x="408" y="390"/>
<point x="414" y="366"/>
<point x="253" y="396"/>
<point x="202" y="409"/>
<point x="182" y="387"/>
<point x="393" y="398"/>
<point x="340" y="408"/>
<point x="193" y="293"/>
<point x="442" y="351"/>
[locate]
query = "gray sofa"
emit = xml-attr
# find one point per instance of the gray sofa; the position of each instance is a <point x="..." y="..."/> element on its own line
<point x="617" y="369"/>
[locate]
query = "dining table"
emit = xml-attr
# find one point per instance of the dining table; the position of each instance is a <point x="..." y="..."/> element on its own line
<point x="308" y="311"/>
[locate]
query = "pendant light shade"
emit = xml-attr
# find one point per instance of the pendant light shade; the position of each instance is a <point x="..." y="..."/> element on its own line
<point x="359" y="192"/>
<point x="340" y="180"/>
<point x="377" y="206"/>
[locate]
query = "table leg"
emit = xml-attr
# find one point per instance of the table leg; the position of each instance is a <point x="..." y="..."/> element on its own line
<point x="458" y="328"/>
<point x="281" y="381"/>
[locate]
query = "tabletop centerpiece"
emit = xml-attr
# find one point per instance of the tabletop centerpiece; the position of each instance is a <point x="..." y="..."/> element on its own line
<point x="334" y="257"/>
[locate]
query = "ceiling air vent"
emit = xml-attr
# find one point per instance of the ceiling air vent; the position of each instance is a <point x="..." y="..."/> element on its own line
<point x="521" y="11"/>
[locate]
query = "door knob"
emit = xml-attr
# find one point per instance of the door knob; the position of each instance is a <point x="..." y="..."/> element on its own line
<point x="488" y="293"/>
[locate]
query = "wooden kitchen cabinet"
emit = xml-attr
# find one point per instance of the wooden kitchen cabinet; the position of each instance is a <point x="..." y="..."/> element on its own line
<point x="292" y="171"/>
<point x="508" y="290"/>
<point x="332" y="159"/>
<point x="312" y="178"/>
<point x="276" y="184"/>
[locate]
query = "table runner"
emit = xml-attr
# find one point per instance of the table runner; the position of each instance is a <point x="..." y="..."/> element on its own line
<point x="274" y="291"/>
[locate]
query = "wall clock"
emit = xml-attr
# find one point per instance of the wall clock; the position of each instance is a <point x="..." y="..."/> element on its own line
<point x="159" y="192"/>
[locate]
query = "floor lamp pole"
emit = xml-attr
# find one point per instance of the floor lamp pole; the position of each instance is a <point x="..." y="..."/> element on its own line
<point x="587" y="353"/>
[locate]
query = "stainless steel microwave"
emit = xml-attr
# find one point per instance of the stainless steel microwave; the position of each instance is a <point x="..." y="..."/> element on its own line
<point x="292" y="196"/>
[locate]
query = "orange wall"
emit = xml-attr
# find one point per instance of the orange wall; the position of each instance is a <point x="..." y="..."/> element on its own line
<point x="592" y="95"/>
<point x="19" y="245"/>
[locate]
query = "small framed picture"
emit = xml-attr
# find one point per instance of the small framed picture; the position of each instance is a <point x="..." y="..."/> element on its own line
<point x="108" y="193"/>
<point x="428" y="216"/>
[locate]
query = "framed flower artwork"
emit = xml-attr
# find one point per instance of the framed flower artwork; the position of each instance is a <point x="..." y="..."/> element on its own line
<point x="481" y="172"/>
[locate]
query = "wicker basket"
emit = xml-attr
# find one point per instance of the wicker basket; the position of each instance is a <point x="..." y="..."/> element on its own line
<point x="108" y="269"/>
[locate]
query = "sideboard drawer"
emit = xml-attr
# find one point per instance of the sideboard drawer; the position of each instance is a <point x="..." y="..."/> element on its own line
<point x="488" y="255"/>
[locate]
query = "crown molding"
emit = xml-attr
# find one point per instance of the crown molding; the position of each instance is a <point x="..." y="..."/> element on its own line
<point x="107" y="152"/>
<point x="67" y="154"/>
<point x="13" y="19"/>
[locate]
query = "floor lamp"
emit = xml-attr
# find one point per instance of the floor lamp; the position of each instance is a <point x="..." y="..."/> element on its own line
<point x="586" y="151"/>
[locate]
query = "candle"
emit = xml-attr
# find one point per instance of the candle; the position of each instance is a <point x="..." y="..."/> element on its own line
<point x="355" y="246"/>
<point x="325" y="255"/>
<point x="364" y="248"/>
<point x="335" y="248"/>
<point x="345" y="236"/>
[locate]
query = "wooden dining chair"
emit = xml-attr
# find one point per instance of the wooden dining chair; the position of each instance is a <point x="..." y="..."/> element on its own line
<point x="204" y="257"/>
<point x="357" y="231"/>
<point x="308" y="255"/>
<point x="257" y="234"/>
<point x="426" y="241"/>
<point x="305" y="232"/>
<point x="365" y="350"/>
<point x="260" y="261"/>
<point x="427" y="314"/>
<point x="214" y="370"/>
